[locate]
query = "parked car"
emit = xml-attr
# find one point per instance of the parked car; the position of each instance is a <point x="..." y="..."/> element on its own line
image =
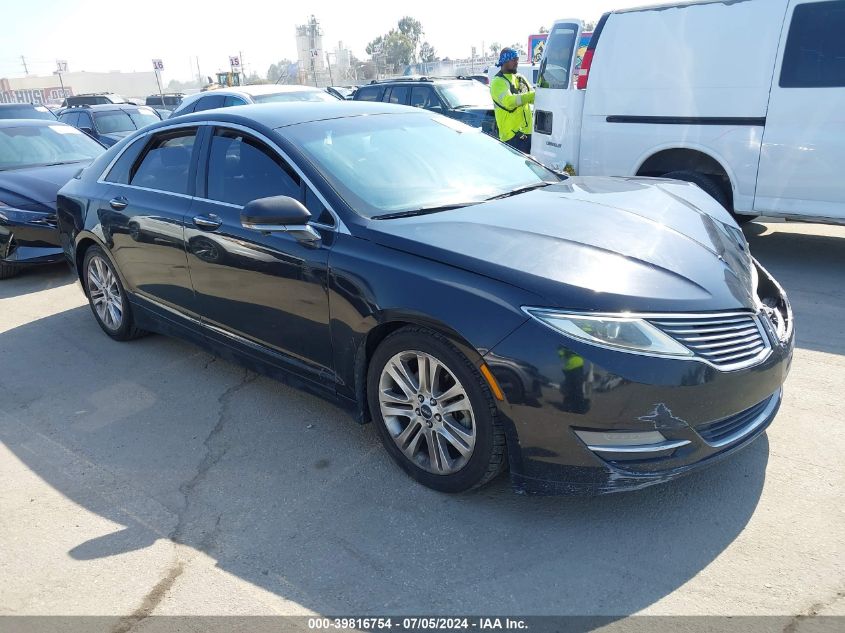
<point x="290" y="237"/>
<point x="242" y="95"/>
<point x="92" y="98"/>
<point x="25" y="111"/>
<point x="168" y="101"/>
<point x="460" y="98"/>
<point x="109" y="123"/>
<point x="761" y="130"/>
<point x="36" y="158"/>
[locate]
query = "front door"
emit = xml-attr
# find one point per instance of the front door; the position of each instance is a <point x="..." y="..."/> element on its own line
<point x="265" y="291"/>
<point x="804" y="141"/>
<point x="143" y="221"/>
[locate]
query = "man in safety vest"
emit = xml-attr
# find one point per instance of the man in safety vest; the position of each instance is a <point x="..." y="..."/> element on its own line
<point x="512" y="95"/>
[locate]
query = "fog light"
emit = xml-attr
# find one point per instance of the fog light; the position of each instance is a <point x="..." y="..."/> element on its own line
<point x="628" y="441"/>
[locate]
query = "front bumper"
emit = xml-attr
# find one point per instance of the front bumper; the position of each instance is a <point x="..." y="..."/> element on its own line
<point x="704" y="413"/>
<point x="30" y="243"/>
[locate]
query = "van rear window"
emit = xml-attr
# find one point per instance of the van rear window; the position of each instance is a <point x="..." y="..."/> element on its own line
<point x="815" y="49"/>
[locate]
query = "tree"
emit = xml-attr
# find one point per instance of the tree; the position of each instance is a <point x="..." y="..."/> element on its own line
<point x="589" y="27"/>
<point x="427" y="53"/>
<point x="412" y="28"/>
<point x="519" y="48"/>
<point x="255" y="79"/>
<point x="375" y="46"/>
<point x="542" y="30"/>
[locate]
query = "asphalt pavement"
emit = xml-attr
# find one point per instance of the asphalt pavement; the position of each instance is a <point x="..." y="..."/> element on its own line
<point x="152" y="478"/>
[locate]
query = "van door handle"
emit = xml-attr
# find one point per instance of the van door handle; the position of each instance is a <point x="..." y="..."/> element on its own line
<point x="118" y="203"/>
<point x="207" y="222"/>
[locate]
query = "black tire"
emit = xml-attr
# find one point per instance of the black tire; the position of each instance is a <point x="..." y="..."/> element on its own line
<point x="488" y="455"/>
<point x="126" y="330"/>
<point x="7" y="271"/>
<point x="711" y="187"/>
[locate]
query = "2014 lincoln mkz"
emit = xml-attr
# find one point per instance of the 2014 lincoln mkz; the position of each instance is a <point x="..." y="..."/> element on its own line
<point x="587" y="334"/>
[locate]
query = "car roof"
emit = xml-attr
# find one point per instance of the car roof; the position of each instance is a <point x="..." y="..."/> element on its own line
<point x="276" y="115"/>
<point x="251" y="91"/>
<point x="19" y="105"/>
<point x="105" y="106"/>
<point x="28" y="122"/>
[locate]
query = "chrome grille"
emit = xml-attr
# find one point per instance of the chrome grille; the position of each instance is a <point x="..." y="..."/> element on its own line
<point x="735" y="427"/>
<point x="728" y="341"/>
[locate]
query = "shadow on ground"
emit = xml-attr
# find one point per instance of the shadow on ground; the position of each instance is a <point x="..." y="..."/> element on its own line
<point x="31" y="280"/>
<point x="286" y="492"/>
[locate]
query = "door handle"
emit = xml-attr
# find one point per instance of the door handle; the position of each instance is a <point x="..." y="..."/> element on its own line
<point x="118" y="203"/>
<point x="207" y="222"/>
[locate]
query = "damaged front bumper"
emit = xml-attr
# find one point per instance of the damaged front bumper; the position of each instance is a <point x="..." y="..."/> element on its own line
<point x="620" y="421"/>
<point x="29" y="238"/>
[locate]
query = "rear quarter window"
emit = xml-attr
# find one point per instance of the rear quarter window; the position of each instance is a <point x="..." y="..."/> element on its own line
<point x="814" y="56"/>
<point x="369" y="93"/>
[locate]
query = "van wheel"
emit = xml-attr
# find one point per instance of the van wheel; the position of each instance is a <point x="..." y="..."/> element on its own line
<point x="712" y="188"/>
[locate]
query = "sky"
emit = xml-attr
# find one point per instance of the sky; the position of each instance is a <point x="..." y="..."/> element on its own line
<point x="104" y="35"/>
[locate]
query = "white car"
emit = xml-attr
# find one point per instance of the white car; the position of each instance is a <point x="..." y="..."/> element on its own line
<point x="745" y="99"/>
<point x="242" y="95"/>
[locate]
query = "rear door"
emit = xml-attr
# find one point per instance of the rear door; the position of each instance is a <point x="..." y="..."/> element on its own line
<point x="558" y="105"/>
<point x="152" y="185"/>
<point x="804" y="140"/>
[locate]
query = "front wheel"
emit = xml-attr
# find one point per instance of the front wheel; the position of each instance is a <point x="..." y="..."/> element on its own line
<point x="434" y="412"/>
<point x="107" y="296"/>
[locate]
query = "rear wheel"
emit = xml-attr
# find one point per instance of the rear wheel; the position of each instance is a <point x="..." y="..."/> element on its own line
<point x="107" y="296"/>
<point x="711" y="187"/>
<point x="434" y="412"/>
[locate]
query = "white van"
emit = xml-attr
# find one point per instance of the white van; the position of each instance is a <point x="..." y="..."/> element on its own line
<point x="745" y="98"/>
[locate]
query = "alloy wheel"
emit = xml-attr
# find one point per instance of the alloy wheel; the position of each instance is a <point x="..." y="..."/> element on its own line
<point x="427" y="412"/>
<point x="104" y="291"/>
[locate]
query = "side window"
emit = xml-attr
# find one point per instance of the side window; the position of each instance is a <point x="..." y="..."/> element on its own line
<point x="241" y="169"/>
<point x="399" y="94"/>
<point x="120" y="171"/>
<point x="71" y="118"/>
<point x="207" y="103"/>
<point x="166" y="162"/>
<point x="814" y="56"/>
<point x="422" y="97"/>
<point x="319" y="212"/>
<point x="368" y="93"/>
<point x="233" y="101"/>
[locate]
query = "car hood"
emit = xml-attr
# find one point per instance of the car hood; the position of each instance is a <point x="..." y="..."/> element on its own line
<point x="113" y="137"/>
<point x="38" y="184"/>
<point x="600" y="244"/>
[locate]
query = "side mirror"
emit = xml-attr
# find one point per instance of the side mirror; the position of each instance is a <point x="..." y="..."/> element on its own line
<point x="280" y="214"/>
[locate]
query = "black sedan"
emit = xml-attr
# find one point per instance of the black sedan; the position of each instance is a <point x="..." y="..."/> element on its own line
<point x="36" y="158"/>
<point x="591" y="335"/>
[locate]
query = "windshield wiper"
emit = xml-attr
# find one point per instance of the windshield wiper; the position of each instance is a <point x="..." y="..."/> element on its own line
<point x="522" y="190"/>
<point x="423" y="211"/>
<point x="61" y="162"/>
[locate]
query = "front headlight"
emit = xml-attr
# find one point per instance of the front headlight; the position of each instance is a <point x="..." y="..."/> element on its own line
<point x="617" y="332"/>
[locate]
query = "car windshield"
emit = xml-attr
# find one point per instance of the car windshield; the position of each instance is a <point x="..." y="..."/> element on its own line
<point x="406" y="162"/>
<point x="26" y="111"/>
<point x="33" y="145"/>
<point x="295" y="95"/>
<point x="462" y="94"/>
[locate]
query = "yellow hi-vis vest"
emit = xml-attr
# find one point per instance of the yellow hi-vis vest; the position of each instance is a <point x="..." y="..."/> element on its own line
<point x="511" y="96"/>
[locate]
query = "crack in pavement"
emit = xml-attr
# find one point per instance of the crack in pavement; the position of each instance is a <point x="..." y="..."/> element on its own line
<point x="213" y="454"/>
<point x="814" y="610"/>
